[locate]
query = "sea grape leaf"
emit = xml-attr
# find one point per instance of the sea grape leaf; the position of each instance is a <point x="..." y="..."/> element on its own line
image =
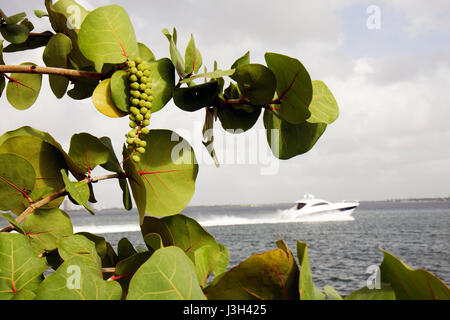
<point x="223" y="261"/>
<point x="14" y="33"/>
<point x="216" y="74"/>
<point x="163" y="182"/>
<point x="33" y="41"/>
<point x="272" y="275"/>
<point x="175" y="55"/>
<point x="56" y="54"/>
<point x="167" y="275"/>
<point x="13" y="222"/>
<point x="187" y="234"/>
<point x="113" y="165"/>
<point x="14" y="19"/>
<point x="411" y="284"/>
<point x="153" y="241"/>
<point x="78" y="191"/>
<point x="323" y="107"/>
<point x="45" y="226"/>
<point x="256" y="82"/>
<point x="20" y="269"/>
<point x="245" y="59"/>
<point x="17" y="180"/>
<point x="76" y="170"/>
<point x="63" y="284"/>
<point x="145" y="53"/>
<point x="73" y="12"/>
<point x="162" y="74"/>
<point x="307" y="289"/>
<point x="23" y="88"/>
<point x="47" y="161"/>
<point x="126" y="268"/>
<point x="104" y="249"/>
<point x="294" y="87"/>
<point x="196" y="97"/>
<point x="125" y="249"/>
<point x="120" y="90"/>
<point x="237" y="120"/>
<point x="103" y="100"/>
<point x="107" y="36"/>
<point x="80" y="246"/>
<point x="384" y="293"/>
<point x="332" y="293"/>
<point x="88" y="151"/>
<point x="40" y="13"/>
<point x="2" y="78"/>
<point x="288" y="140"/>
<point x="193" y="58"/>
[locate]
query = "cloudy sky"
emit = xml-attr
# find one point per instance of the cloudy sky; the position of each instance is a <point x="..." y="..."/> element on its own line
<point x="392" y="85"/>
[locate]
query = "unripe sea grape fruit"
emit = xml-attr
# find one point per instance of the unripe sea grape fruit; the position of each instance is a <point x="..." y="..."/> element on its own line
<point x="136" y="158"/>
<point x="140" y="150"/>
<point x="145" y="131"/>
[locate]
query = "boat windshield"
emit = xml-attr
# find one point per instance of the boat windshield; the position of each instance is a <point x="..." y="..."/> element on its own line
<point x="319" y="204"/>
<point x="300" y="205"/>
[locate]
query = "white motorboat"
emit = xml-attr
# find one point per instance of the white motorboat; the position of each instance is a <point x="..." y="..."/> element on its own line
<point x="310" y="206"/>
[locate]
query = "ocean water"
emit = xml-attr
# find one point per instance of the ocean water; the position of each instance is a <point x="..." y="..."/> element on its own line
<point x="340" y="250"/>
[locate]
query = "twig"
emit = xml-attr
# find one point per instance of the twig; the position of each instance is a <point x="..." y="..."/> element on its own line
<point x="70" y="73"/>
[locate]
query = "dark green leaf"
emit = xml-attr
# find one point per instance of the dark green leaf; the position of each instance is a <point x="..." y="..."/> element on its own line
<point x="14" y="33"/>
<point x="33" y="41"/>
<point x="88" y="151"/>
<point x="125" y="249"/>
<point x="23" y="88"/>
<point x="384" y="293"/>
<point x="196" y="97"/>
<point x="162" y="74"/>
<point x="120" y="90"/>
<point x="288" y="140"/>
<point x="78" y="191"/>
<point x="245" y="59"/>
<point x="294" y="87"/>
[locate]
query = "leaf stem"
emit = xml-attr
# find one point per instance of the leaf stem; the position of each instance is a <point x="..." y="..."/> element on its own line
<point x="70" y="73"/>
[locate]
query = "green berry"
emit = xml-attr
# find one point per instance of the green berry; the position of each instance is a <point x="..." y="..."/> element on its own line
<point x="145" y="131"/>
<point x="148" y="91"/>
<point x="132" y="117"/>
<point x="148" y="115"/>
<point x="143" y="143"/>
<point x="141" y="67"/>
<point x="150" y="98"/>
<point x="133" y="78"/>
<point x="133" y="70"/>
<point x="144" y="96"/>
<point x="139" y="73"/>
<point x="149" y="84"/>
<point x="139" y="117"/>
<point x="134" y="85"/>
<point x="131" y="134"/>
<point x="142" y="86"/>
<point x="137" y="141"/>
<point x="141" y="103"/>
<point x="133" y="124"/>
<point x="131" y="64"/>
<point x="135" y="101"/>
<point x="148" y="104"/>
<point x="146" y="122"/>
<point x="134" y="110"/>
<point x="147" y="73"/>
<point x="130" y="141"/>
<point x="138" y="60"/>
<point x="140" y="150"/>
<point x="143" y="110"/>
<point x="136" y="158"/>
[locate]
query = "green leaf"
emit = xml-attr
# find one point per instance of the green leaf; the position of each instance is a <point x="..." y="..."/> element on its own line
<point x="62" y="284"/>
<point x="78" y="191"/>
<point x="288" y="140"/>
<point x="77" y="171"/>
<point x="193" y="57"/>
<point x="120" y="90"/>
<point x="294" y="87"/>
<point x="272" y="275"/>
<point x="245" y="59"/>
<point x="145" y="53"/>
<point x="80" y="246"/>
<point x="88" y="151"/>
<point x="47" y="161"/>
<point x="163" y="182"/>
<point x="104" y="249"/>
<point x="14" y="19"/>
<point x="162" y="74"/>
<point x="107" y="36"/>
<point x="14" y="33"/>
<point x="45" y="226"/>
<point x="384" y="293"/>
<point x="332" y="293"/>
<point x="190" y="236"/>
<point x="167" y="275"/>
<point x="177" y="59"/>
<point x="125" y="249"/>
<point x="56" y="55"/>
<point x="103" y="100"/>
<point x="84" y="88"/>
<point x="411" y="284"/>
<point x="323" y="107"/>
<point x="17" y="179"/>
<point x="20" y="269"/>
<point x="237" y="120"/>
<point x="14" y="223"/>
<point x="153" y="241"/>
<point x="196" y="97"/>
<point x="126" y="268"/>
<point x="256" y="82"/>
<point x="224" y="260"/>
<point x="307" y="289"/>
<point x="33" y="41"/>
<point x="23" y="88"/>
<point x="40" y="13"/>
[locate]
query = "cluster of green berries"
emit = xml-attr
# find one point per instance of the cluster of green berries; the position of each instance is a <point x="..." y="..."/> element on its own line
<point x="141" y="105"/>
